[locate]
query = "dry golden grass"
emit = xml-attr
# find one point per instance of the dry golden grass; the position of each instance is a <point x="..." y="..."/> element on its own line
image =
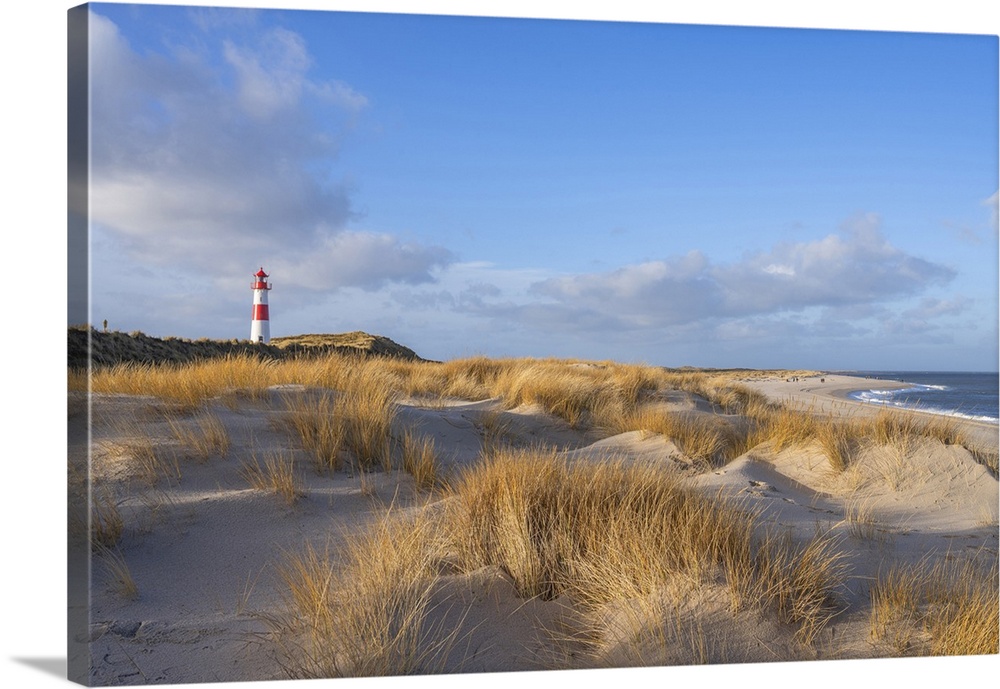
<point x="422" y="380"/>
<point x="582" y="393"/>
<point x="202" y="438"/>
<point x="801" y="582"/>
<point x="988" y="458"/>
<point x="478" y="374"/>
<point x="735" y="398"/>
<point x="660" y="629"/>
<point x="154" y="462"/>
<point x="495" y="428"/>
<point x="119" y="574"/>
<point x="861" y="521"/>
<point x="370" y="613"/>
<point x="610" y="531"/>
<point x="898" y="428"/>
<point x="78" y="380"/>
<point x="947" y="609"/>
<point x="355" y="422"/>
<point x="895" y="599"/>
<point x="568" y="389"/>
<point x="569" y="393"/>
<point x="169" y="382"/>
<point x="896" y="433"/>
<point x="607" y="396"/>
<point x="276" y="475"/>
<point x="317" y="423"/>
<point x="149" y="460"/>
<point x="604" y="535"/>
<point x="592" y="396"/>
<point x="635" y="382"/>
<point x="782" y="428"/>
<point x="839" y="440"/>
<point x="706" y="439"/>
<point x="188" y="385"/>
<point x="420" y="460"/>
<point x="723" y="390"/>
<point x="965" y="612"/>
<point x="367" y="406"/>
<point x="106" y="522"/>
<point x="610" y="396"/>
<point x="425" y="379"/>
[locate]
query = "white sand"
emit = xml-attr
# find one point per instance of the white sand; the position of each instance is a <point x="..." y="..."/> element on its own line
<point x="828" y="393"/>
<point x="203" y="550"/>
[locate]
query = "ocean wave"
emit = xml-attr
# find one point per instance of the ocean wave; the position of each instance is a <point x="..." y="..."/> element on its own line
<point x="956" y="414"/>
<point x="888" y="398"/>
<point x="882" y="395"/>
<point x="972" y="417"/>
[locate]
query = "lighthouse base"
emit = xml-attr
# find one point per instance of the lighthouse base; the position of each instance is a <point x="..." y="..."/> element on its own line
<point x="260" y="332"/>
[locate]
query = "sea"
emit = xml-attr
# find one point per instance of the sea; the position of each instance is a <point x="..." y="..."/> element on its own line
<point x="964" y="395"/>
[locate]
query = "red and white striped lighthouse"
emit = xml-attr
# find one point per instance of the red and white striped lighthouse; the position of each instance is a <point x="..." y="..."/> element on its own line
<point x="260" y="324"/>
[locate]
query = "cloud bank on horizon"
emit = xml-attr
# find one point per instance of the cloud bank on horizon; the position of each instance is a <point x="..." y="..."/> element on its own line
<point x="223" y="140"/>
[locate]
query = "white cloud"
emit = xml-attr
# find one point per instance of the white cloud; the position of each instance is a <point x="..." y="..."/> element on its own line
<point x="856" y="266"/>
<point x="775" y="269"/>
<point x="655" y="292"/>
<point x="218" y="156"/>
<point x="361" y="259"/>
<point x="932" y="307"/>
<point x="339" y="94"/>
<point x="270" y="77"/>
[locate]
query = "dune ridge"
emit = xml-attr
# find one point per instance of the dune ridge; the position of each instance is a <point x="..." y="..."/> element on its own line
<point x="90" y="346"/>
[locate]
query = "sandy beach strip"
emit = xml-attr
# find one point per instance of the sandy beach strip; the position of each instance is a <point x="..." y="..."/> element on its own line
<point x="830" y="394"/>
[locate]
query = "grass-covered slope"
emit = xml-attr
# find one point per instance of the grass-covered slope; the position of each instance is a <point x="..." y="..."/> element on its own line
<point x="344" y="342"/>
<point x="114" y="347"/>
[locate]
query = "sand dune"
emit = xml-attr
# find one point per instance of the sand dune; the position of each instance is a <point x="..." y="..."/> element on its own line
<point x="205" y="550"/>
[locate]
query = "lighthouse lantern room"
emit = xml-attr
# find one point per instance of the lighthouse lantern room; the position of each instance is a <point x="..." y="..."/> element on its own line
<point x="260" y="324"/>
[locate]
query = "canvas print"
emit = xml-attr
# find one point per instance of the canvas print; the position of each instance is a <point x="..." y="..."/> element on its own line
<point x="403" y="344"/>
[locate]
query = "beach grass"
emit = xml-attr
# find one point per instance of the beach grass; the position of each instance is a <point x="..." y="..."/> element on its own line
<point x="368" y="408"/>
<point x="947" y="608"/>
<point x="276" y="474"/>
<point x="319" y="427"/>
<point x="596" y="534"/>
<point x="202" y="439"/>
<point x="707" y="440"/>
<point x="148" y="458"/>
<point x="118" y="572"/>
<point x="608" y="531"/>
<point x="637" y="559"/>
<point x="496" y="430"/>
<point x="605" y="397"/>
<point x="106" y="521"/>
<point x="370" y="615"/>
<point x="420" y="460"/>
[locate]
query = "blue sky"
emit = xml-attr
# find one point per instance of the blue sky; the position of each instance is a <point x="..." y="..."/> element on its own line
<point x="665" y="193"/>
